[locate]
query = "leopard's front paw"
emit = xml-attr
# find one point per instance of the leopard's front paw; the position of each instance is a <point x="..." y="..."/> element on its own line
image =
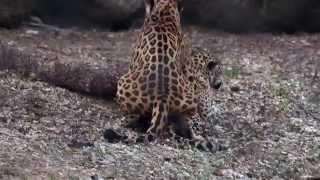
<point x="206" y="145"/>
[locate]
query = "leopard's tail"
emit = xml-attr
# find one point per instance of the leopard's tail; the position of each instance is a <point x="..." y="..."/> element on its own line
<point x="159" y="121"/>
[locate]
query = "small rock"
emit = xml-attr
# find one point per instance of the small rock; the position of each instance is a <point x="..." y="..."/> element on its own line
<point x="167" y="159"/>
<point x="235" y="88"/>
<point x="229" y="173"/>
<point x="79" y="143"/>
<point x="32" y="32"/>
<point x="95" y="177"/>
<point x="36" y="19"/>
<point x="310" y="178"/>
<point x="112" y="136"/>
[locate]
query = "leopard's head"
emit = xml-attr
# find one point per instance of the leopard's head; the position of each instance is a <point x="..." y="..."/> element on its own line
<point x="209" y="69"/>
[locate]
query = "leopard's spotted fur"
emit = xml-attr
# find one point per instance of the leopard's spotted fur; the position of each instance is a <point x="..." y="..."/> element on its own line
<point x="163" y="79"/>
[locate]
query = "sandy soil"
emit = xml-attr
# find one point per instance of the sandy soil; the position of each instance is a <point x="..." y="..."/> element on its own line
<point x="269" y="120"/>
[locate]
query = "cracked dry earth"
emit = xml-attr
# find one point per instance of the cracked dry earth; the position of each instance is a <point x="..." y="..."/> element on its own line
<point x="269" y="116"/>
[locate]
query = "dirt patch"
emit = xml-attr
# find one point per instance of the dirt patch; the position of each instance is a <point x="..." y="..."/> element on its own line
<point x="269" y="118"/>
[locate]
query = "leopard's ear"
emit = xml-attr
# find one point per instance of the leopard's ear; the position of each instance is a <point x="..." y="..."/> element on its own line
<point x="149" y="5"/>
<point x="180" y="7"/>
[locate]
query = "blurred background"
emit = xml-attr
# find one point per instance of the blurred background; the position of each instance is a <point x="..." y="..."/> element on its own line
<point x="287" y="16"/>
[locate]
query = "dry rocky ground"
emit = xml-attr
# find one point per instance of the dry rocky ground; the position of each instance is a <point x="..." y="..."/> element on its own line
<point x="269" y="118"/>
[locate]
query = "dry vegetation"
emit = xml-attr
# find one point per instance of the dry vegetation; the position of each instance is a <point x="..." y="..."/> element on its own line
<point x="269" y="120"/>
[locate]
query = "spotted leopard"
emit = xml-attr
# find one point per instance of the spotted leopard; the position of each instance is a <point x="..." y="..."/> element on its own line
<point x="163" y="81"/>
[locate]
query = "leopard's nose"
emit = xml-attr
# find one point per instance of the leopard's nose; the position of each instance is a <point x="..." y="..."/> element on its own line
<point x="218" y="85"/>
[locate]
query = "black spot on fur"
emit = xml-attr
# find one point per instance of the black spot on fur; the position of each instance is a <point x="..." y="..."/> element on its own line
<point x="136" y="93"/>
<point x="152" y="77"/>
<point x="166" y="71"/>
<point x="133" y="99"/>
<point x="171" y="53"/>
<point x="153" y="66"/>
<point x="166" y="59"/>
<point x="152" y="51"/>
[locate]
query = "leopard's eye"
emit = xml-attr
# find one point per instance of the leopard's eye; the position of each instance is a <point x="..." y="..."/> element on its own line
<point x="212" y="65"/>
<point x="154" y="18"/>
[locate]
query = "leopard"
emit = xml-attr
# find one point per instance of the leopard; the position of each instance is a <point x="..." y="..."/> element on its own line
<point x="205" y="74"/>
<point x="167" y="79"/>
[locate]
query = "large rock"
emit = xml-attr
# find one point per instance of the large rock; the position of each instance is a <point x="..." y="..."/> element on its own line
<point x="233" y="15"/>
<point x="13" y="12"/>
<point x="116" y="14"/>
<point x="253" y="15"/>
<point x="285" y="15"/>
